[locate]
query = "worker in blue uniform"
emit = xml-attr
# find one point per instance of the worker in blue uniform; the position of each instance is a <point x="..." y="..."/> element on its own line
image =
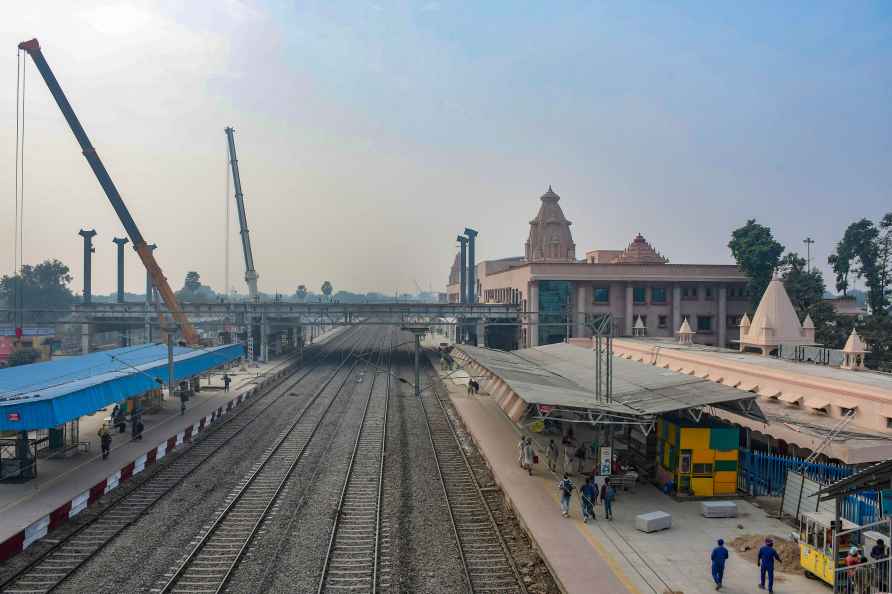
<point x="765" y="560"/>
<point x="719" y="556"/>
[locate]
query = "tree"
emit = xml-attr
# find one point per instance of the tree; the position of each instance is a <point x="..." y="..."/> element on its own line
<point x="23" y="357"/>
<point x="44" y="286"/>
<point x="327" y="289"/>
<point x="301" y="292"/>
<point x="193" y="290"/>
<point x="757" y="255"/>
<point x="865" y="251"/>
<point x="192" y="282"/>
<point x="805" y="287"/>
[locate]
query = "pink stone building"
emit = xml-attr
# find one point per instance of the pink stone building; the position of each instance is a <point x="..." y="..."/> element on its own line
<point x="557" y="290"/>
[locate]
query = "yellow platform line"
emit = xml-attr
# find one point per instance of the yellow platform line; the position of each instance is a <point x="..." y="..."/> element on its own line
<point x="603" y="553"/>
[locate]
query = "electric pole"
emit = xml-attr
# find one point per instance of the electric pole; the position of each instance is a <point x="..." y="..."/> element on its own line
<point x="808" y="241"/>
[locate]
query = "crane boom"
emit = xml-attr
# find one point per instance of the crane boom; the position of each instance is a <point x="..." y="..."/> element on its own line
<point x="250" y="274"/>
<point x="139" y="244"/>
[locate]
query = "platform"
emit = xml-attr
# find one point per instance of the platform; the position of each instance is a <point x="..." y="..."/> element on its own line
<point x="608" y="557"/>
<point x="64" y="486"/>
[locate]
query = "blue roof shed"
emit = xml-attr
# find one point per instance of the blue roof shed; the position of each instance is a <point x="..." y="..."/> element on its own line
<point x="44" y="395"/>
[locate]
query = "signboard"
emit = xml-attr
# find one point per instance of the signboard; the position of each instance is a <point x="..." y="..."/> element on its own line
<point x="606" y="459"/>
<point x="13" y="417"/>
<point x="544" y="409"/>
<point x="7" y="330"/>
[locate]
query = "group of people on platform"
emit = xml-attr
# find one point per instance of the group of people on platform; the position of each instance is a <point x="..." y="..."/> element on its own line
<point x="119" y="422"/>
<point x="590" y="495"/>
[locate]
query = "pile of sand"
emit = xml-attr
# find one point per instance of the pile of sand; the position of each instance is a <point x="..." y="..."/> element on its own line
<point x="747" y="546"/>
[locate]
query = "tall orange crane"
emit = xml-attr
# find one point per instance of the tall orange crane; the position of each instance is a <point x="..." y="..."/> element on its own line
<point x="32" y="47"/>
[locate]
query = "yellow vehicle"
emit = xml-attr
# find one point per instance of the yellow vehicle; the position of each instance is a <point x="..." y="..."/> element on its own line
<point x="816" y="545"/>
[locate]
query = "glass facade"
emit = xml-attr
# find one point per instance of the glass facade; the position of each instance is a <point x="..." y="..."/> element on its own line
<point x="554" y="301"/>
<point x="601" y="295"/>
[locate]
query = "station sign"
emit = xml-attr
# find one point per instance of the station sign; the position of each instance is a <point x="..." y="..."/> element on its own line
<point x="8" y="330"/>
<point x="604" y="467"/>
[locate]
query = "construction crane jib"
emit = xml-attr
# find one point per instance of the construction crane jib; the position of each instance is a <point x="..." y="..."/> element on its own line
<point x="250" y="274"/>
<point x="32" y="47"/>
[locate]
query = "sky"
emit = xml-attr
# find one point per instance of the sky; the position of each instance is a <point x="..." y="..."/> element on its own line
<point x="370" y="134"/>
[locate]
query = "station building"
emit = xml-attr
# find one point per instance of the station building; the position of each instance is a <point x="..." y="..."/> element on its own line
<point x="637" y="285"/>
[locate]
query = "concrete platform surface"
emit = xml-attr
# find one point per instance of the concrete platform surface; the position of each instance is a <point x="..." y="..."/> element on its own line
<point x="608" y="557"/>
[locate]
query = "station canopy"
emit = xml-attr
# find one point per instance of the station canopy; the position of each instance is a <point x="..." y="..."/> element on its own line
<point x="562" y="376"/>
<point x="48" y="394"/>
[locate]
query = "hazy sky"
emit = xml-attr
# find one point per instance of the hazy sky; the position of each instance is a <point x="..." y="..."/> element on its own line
<point x="371" y="133"/>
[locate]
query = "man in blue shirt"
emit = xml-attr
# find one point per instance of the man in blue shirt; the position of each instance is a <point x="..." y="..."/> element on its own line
<point x="588" y="494"/>
<point x="765" y="561"/>
<point x="719" y="556"/>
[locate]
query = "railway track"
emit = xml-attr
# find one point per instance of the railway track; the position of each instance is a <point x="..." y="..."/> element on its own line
<point x="67" y="556"/>
<point x="352" y="559"/>
<point x="211" y="562"/>
<point x="488" y="564"/>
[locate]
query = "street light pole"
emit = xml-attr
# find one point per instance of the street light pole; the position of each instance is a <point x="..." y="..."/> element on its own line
<point x="808" y="241"/>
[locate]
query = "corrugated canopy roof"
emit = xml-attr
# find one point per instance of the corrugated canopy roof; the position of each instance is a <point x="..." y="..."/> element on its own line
<point x="563" y="375"/>
<point x="43" y="395"/>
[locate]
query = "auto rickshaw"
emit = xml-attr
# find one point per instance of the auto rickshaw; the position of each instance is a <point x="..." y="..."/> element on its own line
<point x="816" y="545"/>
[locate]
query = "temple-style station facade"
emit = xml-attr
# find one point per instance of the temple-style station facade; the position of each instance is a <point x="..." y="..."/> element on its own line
<point x="647" y="295"/>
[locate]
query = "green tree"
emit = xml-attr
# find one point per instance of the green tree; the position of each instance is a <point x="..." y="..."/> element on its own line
<point x="192" y="282"/>
<point x="301" y="292"/>
<point x="864" y="251"/>
<point x="327" y="288"/>
<point x="805" y="287"/>
<point x="44" y="286"/>
<point x="23" y="357"/>
<point x="757" y="255"/>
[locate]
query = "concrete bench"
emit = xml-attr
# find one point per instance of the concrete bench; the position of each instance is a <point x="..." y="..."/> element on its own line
<point x="653" y="521"/>
<point x="718" y="509"/>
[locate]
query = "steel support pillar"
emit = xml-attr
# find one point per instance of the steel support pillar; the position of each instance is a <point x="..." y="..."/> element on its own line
<point x="471" y="234"/>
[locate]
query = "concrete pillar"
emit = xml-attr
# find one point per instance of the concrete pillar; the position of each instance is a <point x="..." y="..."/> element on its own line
<point x="148" y="306"/>
<point x="85" y="339"/>
<point x="88" y="235"/>
<point x="472" y="270"/>
<point x="628" y="322"/>
<point x="264" y="339"/>
<point x="533" y="317"/>
<point x="481" y="333"/>
<point x="676" y="308"/>
<point x="120" y="241"/>
<point x="581" y="305"/>
<point x="722" y="315"/>
<point x="463" y="269"/>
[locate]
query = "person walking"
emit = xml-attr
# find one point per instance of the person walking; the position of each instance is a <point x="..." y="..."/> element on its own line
<point x="551" y="454"/>
<point x="879" y="555"/>
<point x="226" y="381"/>
<point x="718" y="558"/>
<point x="607" y="495"/>
<point x="138" y="429"/>
<point x="105" y="440"/>
<point x="588" y="494"/>
<point x="529" y="456"/>
<point x="520" y="446"/>
<point x="566" y="489"/>
<point x="765" y="561"/>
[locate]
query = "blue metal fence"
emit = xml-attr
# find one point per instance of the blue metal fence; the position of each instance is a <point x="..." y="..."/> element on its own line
<point x="760" y="473"/>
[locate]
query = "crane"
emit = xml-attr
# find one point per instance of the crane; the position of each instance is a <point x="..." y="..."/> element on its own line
<point x="250" y="274"/>
<point x="32" y="47"/>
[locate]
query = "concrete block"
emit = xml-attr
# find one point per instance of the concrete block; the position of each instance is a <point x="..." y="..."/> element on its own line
<point x="653" y="521"/>
<point x="718" y="509"/>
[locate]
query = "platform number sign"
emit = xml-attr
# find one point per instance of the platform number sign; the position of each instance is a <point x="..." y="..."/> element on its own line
<point x="13" y="417"/>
